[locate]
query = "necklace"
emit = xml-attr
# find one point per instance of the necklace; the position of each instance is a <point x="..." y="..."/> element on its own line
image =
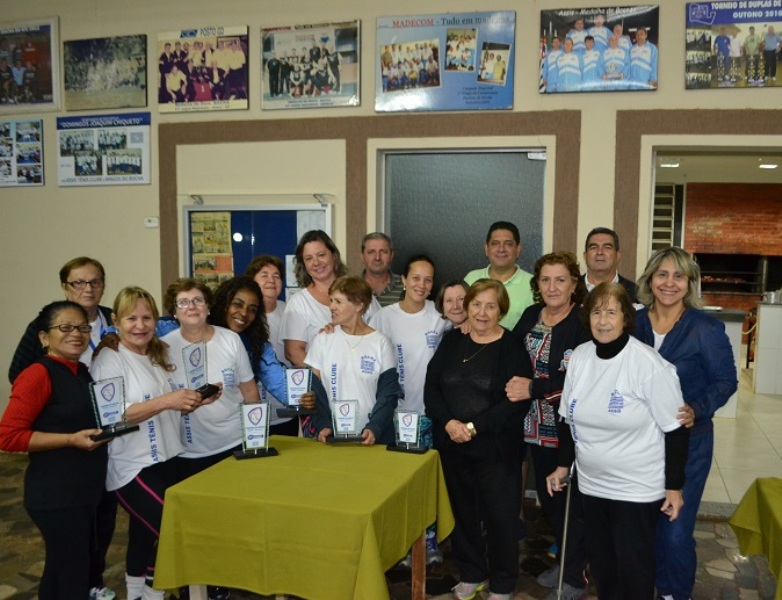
<point x="474" y="354"/>
<point x="352" y="348"/>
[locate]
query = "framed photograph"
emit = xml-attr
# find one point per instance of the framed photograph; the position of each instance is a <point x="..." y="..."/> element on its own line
<point x="203" y="69"/>
<point x="729" y="48"/>
<point x="599" y="49"/>
<point x="103" y="150"/>
<point x="445" y="62"/>
<point x="21" y="153"/>
<point x="29" y="67"/>
<point x="311" y="66"/>
<point x="105" y="73"/>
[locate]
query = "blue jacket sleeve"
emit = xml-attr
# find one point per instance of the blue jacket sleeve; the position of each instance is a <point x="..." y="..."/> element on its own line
<point x="720" y="380"/>
<point x="386" y="400"/>
<point x="273" y="374"/>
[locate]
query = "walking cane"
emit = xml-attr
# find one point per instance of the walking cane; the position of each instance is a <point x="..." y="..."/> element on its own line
<point x="569" y="481"/>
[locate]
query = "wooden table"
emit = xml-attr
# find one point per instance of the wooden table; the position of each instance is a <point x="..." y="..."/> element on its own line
<point x="320" y="522"/>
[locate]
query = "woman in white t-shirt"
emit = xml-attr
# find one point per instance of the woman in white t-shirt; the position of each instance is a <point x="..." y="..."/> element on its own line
<point x="355" y="362"/>
<point x="140" y="463"/>
<point x="620" y="405"/>
<point x="211" y="434"/>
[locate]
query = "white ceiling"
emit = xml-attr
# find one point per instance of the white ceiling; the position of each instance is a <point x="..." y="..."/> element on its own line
<point x="718" y="166"/>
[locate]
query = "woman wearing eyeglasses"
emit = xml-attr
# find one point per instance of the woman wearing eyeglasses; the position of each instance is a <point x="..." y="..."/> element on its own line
<point x="214" y="431"/>
<point x="83" y="280"/>
<point x="50" y="416"/>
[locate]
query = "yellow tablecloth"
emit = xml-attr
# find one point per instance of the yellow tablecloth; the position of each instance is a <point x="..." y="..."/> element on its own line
<point x="757" y="523"/>
<point x="317" y="521"/>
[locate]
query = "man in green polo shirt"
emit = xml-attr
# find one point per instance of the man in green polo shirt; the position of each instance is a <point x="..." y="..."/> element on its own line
<point x="502" y="248"/>
<point x="752" y="52"/>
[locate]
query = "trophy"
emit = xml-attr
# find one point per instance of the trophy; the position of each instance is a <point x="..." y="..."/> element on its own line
<point x="108" y="401"/>
<point x="407" y="426"/>
<point x="297" y="383"/>
<point x="255" y="432"/>
<point x="194" y="359"/>
<point x="344" y="415"/>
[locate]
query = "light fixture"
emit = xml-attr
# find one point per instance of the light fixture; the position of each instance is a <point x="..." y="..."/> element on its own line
<point x="669" y="163"/>
<point x="767" y="164"/>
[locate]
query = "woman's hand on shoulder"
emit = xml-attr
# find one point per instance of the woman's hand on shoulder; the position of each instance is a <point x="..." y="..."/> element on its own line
<point x="83" y="439"/>
<point x="518" y="388"/>
<point x="327" y="328"/>
<point x="672" y="504"/>
<point x="110" y="340"/>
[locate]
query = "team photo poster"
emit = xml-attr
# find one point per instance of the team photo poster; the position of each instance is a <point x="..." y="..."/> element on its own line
<point x="445" y="62"/>
<point x="105" y="73"/>
<point x="29" y="67"/>
<point x="202" y="69"/>
<point x="733" y="44"/>
<point x="21" y="153"/>
<point x="103" y="150"/>
<point x="599" y="49"/>
<point x="311" y="66"/>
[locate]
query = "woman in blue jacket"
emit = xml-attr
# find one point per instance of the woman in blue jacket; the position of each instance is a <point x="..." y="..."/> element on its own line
<point x="696" y="344"/>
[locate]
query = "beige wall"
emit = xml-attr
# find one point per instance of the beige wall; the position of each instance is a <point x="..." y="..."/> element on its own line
<point x="41" y="228"/>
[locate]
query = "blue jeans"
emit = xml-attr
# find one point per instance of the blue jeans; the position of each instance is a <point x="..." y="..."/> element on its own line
<point x="675" y="544"/>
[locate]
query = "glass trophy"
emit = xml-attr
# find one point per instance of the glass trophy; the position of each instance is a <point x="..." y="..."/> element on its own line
<point x="108" y="402"/>
<point x="344" y="416"/>
<point x="194" y="359"/>
<point x="255" y="432"/>
<point x="297" y="383"/>
<point x="407" y="427"/>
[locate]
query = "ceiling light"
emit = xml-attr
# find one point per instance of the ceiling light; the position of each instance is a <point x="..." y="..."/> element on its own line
<point x="768" y="165"/>
<point x="669" y="163"/>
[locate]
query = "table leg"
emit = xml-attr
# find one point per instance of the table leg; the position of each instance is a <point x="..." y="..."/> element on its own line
<point x="419" y="568"/>
<point x="198" y="592"/>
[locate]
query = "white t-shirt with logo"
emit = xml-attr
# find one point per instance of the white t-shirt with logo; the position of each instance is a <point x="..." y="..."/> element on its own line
<point x="619" y="410"/>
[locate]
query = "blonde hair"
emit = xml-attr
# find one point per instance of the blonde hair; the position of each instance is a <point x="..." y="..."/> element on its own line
<point x="683" y="263"/>
<point x="125" y="303"/>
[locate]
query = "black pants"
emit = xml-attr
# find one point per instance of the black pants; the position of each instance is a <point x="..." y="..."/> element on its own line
<point x="106" y="519"/>
<point x="770" y="63"/>
<point x="68" y="536"/>
<point x="620" y="545"/>
<point x="545" y="462"/>
<point x="494" y="485"/>
<point x="143" y="499"/>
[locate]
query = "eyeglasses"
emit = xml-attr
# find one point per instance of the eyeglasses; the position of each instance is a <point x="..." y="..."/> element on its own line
<point x="185" y="302"/>
<point x="79" y="284"/>
<point x="68" y="328"/>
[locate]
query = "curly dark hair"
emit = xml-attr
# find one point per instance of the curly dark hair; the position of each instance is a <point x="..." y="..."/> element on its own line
<point x="258" y="331"/>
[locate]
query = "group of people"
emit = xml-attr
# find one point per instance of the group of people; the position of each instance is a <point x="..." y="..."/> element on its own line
<point x="760" y="51"/>
<point x="504" y="361"/>
<point x="599" y="58"/>
<point x="413" y="65"/>
<point x="215" y="69"/>
<point x="313" y="71"/>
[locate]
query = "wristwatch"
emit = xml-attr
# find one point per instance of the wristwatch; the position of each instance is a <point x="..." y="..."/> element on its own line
<point x="471" y="429"/>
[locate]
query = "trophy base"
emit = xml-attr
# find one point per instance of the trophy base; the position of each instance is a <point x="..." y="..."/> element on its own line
<point x="292" y="411"/>
<point x="255" y="453"/>
<point x="344" y="439"/>
<point x="408" y="449"/>
<point x="113" y="431"/>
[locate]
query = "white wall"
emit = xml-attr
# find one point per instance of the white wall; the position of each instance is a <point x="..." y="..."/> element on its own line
<point x="41" y="228"/>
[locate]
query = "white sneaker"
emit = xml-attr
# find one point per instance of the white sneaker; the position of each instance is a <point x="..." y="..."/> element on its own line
<point x="550" y="577"/>
<point x="467" y="591"/>
<point x="568" y="593"/>
<point x="494" y="596"/>
<point x="102" y="593"/>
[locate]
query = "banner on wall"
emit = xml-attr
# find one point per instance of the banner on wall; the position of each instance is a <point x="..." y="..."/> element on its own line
<point x="103" y="150"/>
<point x="311" y="66"/>
<point x="21" y="153"/>
<point x="203" y="69"/>
<point x="599" y="49"/>
<point x="733" y="44"/>
<point x="445" y="62"/>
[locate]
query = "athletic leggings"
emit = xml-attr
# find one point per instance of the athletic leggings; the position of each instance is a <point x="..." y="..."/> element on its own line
<point x="143" y="498"/>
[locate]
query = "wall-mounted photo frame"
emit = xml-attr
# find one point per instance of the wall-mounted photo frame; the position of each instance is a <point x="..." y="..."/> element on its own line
<point x="599" y="49"/>
<point x="203" y="69"/>
<point x="311" y="66"/>
<point x="29" y="66"/>
<point x="105" y="73"/>
<point x="21" y="153"/>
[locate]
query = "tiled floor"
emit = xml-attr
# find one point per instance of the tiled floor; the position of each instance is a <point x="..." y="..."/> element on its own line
<point x="746" y="447"/>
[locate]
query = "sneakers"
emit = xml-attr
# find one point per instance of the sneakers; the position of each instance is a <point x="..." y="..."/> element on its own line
<point x="494" y="596"/>
<point x="550" y="577"/>
<point x="433" y="552"/>
<point x="468" y="591"/>
<point x="553" y="550"/>
<point x="568" y="593"/>
<point x="102" y="593"/>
